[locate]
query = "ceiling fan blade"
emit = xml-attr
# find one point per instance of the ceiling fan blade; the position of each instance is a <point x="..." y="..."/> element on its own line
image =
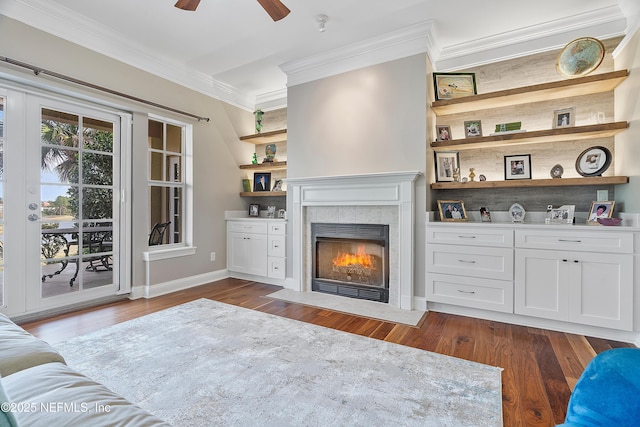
<point x="187" y="4"/>
<point x="275" y="9"/>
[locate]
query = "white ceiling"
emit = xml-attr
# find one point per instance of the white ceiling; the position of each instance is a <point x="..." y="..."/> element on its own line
<point x="232" y="50"/>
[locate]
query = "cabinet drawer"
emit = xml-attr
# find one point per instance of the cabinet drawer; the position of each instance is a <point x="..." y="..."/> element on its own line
<point x="247" y="227"/>
<point x="588" y="241"/>
<point x="277" y="228"/>
<point x="496" y="295"/>
<point x="470" y="236"/>
<point x="277" y="268"/>
<point x="276" y="246"/>
<point x="490" y="263"/>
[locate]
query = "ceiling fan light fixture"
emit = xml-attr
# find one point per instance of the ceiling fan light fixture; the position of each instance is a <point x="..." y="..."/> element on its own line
<point x="322" y="22"/>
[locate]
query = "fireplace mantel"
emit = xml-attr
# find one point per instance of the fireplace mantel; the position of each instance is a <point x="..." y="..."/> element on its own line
<point x="395" y="189"/>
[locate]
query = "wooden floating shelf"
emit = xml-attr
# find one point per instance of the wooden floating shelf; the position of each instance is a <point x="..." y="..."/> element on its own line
<point x="263" y="193"/>
<point x="266" y="137"/>
<point x="522" y="183"/>
<point x="576" y="133"/>
<point x="266" y="166"/>
<point x="595" y="83"/>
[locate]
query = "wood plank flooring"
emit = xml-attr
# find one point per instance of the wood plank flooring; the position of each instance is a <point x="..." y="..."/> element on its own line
<point x="540" y="367"/>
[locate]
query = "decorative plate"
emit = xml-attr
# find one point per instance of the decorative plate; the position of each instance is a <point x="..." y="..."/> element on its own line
<point x="580" y="57"/>
<point x="557" y="171"/>
<point x="593" y="161"/>
<point x="517" y="212"/>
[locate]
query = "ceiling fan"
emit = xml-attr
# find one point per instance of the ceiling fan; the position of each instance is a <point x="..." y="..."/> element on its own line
<point x="274" y="8"/>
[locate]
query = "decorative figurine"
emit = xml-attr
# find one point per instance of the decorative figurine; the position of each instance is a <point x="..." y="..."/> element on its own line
<point x="255" y="159"/>
<point x="471" y="174"/>
<point x="456" y="174"/>
<point x="259" y="114"/>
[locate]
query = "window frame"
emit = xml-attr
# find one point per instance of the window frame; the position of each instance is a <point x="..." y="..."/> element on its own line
<point x="185" y="247"/>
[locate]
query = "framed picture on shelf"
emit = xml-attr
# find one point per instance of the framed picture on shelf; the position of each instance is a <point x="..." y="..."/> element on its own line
<point x="446" y="164"/>
<point x="444" y="132"/>
<point x="254" y="210"/>
<point x="277" y="186"/>
<point x="472" y="128"/>
<point x="485" y="215"/>
<point x="262" y="181"/>
<point x="517" y="167"/>
<point x="562" y="215"/>
<point x="564" y="118"/>
<point x="454" y="85"/>
<point x="600" y="209"/>
<point x="452" y="210"/>
<point x="593" y="161"/>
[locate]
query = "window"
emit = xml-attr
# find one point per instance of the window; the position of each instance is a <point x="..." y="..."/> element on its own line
<point x="169" y="180"/>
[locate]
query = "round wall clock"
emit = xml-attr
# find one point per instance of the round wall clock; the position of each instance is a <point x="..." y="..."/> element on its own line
<point x="593" y="161"/>
<point x="580" y="57"/>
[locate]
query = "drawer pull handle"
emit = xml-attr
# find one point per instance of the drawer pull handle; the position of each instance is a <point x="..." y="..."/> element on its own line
<point x="466" y="292"/>
<point x="565" y="260"/>
<point x="466" y="261"/>
<point x="570" y="241"/>
<point x="467" y="237"/>
<point x="276" y="246"/>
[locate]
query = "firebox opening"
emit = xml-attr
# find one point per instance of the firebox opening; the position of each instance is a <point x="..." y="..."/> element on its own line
<point x="351" y="260"/>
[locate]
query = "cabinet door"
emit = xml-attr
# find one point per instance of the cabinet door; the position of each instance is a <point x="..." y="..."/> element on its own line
<point x="542" y="283"/>
<point x="602" y="290"/>
<point x="247" y="253"/>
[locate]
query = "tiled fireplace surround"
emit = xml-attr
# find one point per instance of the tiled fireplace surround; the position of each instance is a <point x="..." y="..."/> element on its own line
<point x="383" y="198"/>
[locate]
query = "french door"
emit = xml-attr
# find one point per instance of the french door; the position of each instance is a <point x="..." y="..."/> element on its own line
<point x="61" y="182"/>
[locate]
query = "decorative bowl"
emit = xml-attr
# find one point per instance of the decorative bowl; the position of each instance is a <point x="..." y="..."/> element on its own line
<point x="610" y="221"/>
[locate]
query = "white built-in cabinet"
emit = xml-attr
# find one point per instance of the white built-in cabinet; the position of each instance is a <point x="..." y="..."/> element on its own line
<point x="257" y="247"/>
<point x="577" y="274"/>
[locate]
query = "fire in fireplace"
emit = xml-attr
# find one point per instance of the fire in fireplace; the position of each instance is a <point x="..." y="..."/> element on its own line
<point x="351" y="260"/>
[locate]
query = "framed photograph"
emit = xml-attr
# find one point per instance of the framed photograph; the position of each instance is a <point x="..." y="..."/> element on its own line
<point x="444" y="132"/>
<point x="446" y="163"/>
<point x="277" y="186"/>
<point x="271" y="211"/>
<point x="485" y="215"/>
<point x="254" y="210"/>
<point x="562" y="215"/>
<point x="564" y="118"/>
<point x="517" y="167"/>
<point x="593" y="161"/>
<point x="452" y="210"/>
<point x="472" y="128"/>
<point x="454" y="85"/>
<point x="600" y="209"/>
<point x="517" y="213"/>
<point x="262" y="181"/>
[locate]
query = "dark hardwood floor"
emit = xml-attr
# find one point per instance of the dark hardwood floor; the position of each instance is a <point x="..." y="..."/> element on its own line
<point x="540" y="366"/>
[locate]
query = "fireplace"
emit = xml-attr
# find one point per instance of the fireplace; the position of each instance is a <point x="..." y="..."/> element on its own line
<point x="351" y="260"/>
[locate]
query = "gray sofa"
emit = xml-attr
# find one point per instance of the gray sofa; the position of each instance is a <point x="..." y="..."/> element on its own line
<point x="37" y="388"/>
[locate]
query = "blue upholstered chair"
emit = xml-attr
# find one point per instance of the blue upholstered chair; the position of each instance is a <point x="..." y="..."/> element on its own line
<point x="608" y="391"/>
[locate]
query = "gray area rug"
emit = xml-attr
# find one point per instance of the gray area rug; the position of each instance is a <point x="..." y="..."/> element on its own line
<point x="206" y="363"/>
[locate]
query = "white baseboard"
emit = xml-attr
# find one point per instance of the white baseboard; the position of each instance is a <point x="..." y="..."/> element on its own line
<point x="158" y="289"/>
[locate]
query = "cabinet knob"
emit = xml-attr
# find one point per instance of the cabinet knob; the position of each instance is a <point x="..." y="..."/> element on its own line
<point x="576" y="261"/>
<point x="565" y="260"/>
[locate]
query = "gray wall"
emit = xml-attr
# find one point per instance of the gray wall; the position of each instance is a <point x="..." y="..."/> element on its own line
<point x="217" y="151"/>
<point x="364" y="121"/>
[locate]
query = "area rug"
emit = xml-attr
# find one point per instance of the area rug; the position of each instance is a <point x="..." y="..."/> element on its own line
<point x="206" y="363"/>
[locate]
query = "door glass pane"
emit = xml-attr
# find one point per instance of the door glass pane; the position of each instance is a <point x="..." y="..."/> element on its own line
<point x="59" y="128"/>
<point x="174" y="138"/>
<point x="59" y="166"/>
<point x="97" y="135"/>
<point x="156" y="135"/>
<point x="97" y="169"/>
<point x="97" y="203"/>
<point x="166" y="206"/>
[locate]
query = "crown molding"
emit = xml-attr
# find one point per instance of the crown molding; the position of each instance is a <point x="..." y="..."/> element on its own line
<point x="272" y="100"/>
<point x="412" y="40"/>
<point x="601" y="23"/>
<point x="66" y="24"/>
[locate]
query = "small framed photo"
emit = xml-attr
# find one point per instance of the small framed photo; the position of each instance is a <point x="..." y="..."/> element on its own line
<point x="564" y="118"/>
<point x="444" y="132"/>
<point x="600" y="209"/>
<point x="472" y="128"/>
<point x="262" y="181"/>
<point x="562" y="215"/>
<point x="454" y="85"/>
<point x="452" y="210"/>
<point x="485" y="215"/>
<point x="282" y="213"/>
<point x="271" y="211"/>
<point x="277" y="186"/>
<point x="446" y="163"/>
<point x="254" y="210"/>
<point x="517" y="167"/>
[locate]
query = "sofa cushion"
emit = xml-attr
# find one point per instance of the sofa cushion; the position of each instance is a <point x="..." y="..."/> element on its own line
<point x="7" y="419"/>
<point x="60" y="396"/>
<point x="19" y="349"/>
